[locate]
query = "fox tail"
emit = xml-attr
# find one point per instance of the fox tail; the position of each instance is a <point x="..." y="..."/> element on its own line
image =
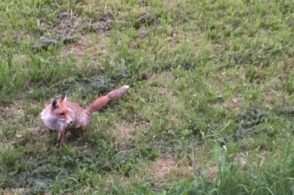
<point x="104" y="100"/>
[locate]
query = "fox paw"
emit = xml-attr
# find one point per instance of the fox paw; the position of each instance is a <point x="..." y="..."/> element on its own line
<point x="57" y="146"/>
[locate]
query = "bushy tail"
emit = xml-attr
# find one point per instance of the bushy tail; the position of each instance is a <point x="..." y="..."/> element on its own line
<point x="104" y="100"/>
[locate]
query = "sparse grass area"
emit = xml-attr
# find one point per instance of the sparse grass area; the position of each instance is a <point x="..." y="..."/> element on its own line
<point x="210" y="109"/>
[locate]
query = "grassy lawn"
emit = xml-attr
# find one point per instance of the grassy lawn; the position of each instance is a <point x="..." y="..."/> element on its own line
<point x="210" y="109"/>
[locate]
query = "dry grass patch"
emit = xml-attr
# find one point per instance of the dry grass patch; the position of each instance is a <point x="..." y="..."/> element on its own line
<point x="124" y="132"/>
<point x="213" y="172"/>
<point x="163" y="76"/>
<point x="11" y="111"/>
<point x="241" y="158"/>
<point x="91" y="46"/>
<point x="175" y="105"/>
<point x="166" y="165"/>
<point x="22" y="117"/>
<point x="15" y="191"/>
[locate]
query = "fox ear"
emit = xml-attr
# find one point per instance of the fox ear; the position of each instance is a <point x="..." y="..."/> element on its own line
<point x="54" y="104"/>
<point x="63" y="97"/>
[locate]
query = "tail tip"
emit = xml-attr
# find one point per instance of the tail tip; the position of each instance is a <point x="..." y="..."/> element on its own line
<point x="126" y="86"/>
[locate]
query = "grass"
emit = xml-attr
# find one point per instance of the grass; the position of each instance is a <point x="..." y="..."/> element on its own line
<point x="210" y="109"/>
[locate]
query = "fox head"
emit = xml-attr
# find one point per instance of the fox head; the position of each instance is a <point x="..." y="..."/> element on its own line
<point x="56" y="115"/>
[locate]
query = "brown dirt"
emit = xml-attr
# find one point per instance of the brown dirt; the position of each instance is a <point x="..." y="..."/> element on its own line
<point x="166" y="164"/>
<point x="15" y="112"/>
<point x="234" y="102"/>
<point x="212" y="172"/>
<point x="88" y="45"/>
<point x="69" y="29"/>
<point x="241" y="159"/>
<point x="262" y="157"/>
<point x="11" y="111"/>
<point x="161" y="81"/>
<point x="14" y="191"/>
<point x="124" y="131"/>
<point x="167" y="76"/>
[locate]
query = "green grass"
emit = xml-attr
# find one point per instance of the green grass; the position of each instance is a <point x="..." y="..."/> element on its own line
<point x="210" y="109"/>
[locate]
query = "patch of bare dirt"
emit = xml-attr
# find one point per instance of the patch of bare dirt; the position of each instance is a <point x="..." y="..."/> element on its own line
<point x="161" y="80"/>
<point x="166" y="75"/>
<point x="69" y="29"/>
<point x="241" y="159"/>
<point x="212" y="172"/>
<point x="167" y="165"/>
<point x="124" y="131"/>
<point x="262" y="157"/>
<point x="15" y="113"/>
<point x="89" y="45"/>
<point x="163" y="166"/>
<point x="141" y="122"/>
<point x="11" y="111"/>
<point x="15" y="191"/>
<point x="175" y="104"/>
<point x="13" y="35"/>
<point x="234" y="102"/>
<point x="40" y="131"/>
<point x="268" y="97"/>
<point x="146" y="19"/>
<point x="143" y="32"/>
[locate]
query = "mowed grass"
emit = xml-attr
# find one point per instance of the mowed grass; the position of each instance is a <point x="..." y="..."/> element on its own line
<point x="210" y="109"/>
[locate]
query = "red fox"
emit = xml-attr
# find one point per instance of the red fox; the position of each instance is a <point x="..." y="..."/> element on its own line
<point x="61" y="115"/>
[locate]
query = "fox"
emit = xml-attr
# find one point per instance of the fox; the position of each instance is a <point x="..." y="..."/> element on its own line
<point x="61" y="115"/>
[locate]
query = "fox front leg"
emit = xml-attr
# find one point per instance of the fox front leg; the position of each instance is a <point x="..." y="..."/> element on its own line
<point x="60" y="138"/>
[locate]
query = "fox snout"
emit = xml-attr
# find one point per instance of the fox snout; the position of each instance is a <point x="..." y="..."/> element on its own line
<point x="67" y="119"/>
<point x="69" y="122"/>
